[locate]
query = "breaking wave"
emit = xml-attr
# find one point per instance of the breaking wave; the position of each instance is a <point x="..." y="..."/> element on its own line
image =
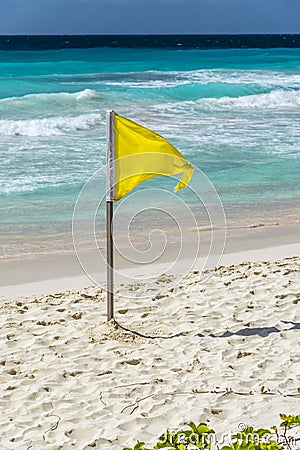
<point x="51" y="126"/>
<point x="271" y="100"/>
<point x="168" y="79"/>
<point x="52" y="99"/>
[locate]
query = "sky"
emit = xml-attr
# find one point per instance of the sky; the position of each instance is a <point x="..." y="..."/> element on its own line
<point x="148" y="16"/>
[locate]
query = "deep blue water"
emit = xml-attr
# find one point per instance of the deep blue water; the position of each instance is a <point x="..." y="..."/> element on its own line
<point x="233" y="112"/>
<point x="186" y="41"/>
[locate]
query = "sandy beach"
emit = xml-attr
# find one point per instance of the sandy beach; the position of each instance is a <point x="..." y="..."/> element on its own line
<point x="201" y="352"/>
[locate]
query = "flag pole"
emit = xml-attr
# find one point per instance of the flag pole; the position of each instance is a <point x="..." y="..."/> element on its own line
<point x="110" y="177"/>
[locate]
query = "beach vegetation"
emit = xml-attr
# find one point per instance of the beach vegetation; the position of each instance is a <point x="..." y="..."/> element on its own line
<point x="138" y="446"/>
<point x="248" y="438"/>
<point x="197" y="435"/>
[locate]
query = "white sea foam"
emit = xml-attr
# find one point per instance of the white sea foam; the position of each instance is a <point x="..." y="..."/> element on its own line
<point x="51" y="126"/>
<point x="274" y="99"/>
<point x="145" y="84"/>
<point x="158" y="79"/>
<point x="190" y="109"/>
<point x="260" y="77"/>
<point x="59" y="98"/>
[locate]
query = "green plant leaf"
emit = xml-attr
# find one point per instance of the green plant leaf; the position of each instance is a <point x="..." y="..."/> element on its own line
<point x="203" y="428"/>
<point x="248" y="439"/>
<point x="263" y="431"/>
<point x="289" y="421"/>
<point x="193" y="426"/>
<point x="139" y="446"/>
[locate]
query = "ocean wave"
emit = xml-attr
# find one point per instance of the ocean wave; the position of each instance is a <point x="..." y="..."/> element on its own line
<point x="271" y="100"/>
<point x="157" y="79"/>
<point x="51" y="99"/>
<point x="263" y="78"/>
<point x="38" y="184"/>
<point x="51" y="126"/>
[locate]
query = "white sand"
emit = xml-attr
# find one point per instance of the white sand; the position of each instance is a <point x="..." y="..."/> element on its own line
<point x="71" y="381"/>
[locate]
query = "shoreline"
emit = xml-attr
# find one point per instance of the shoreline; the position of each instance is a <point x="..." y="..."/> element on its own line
<point x="35" y="275"/>
<point x="27" y="240"/>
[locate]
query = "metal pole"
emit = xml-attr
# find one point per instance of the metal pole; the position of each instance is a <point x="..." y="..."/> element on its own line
<point x="110" y="182"/>
<point x="110" y="260"/>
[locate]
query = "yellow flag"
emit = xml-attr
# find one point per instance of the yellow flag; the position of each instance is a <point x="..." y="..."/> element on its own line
<point x="141" y="154"/>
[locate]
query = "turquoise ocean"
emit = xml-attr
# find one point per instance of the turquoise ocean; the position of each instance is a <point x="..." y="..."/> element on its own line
<point x="234" y="113"/>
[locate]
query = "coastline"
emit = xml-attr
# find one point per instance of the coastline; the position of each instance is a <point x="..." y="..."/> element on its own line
<point x="41" y="274"/>
<point x="224" y="346"/>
